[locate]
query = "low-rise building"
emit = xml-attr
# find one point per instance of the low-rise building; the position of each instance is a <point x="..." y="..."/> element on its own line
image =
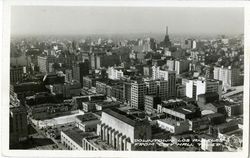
<point x="234" y="109"/>
<point x="87" y="122"/>
<point x="72" y="138"/>
<point x="176" y="127"/>
<point x="209" y="143"/>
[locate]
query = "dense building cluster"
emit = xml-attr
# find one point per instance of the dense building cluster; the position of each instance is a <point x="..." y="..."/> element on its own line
<point x="134" y="94"/>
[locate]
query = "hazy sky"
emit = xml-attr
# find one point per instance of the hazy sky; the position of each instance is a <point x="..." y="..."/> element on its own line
<point x="103" y="20"/>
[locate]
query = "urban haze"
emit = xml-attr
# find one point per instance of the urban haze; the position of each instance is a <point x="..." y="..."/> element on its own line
<point x="126" y="78"/>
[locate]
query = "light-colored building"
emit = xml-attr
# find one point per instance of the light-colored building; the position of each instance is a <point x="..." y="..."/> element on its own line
<point x="202" y="86"/>
<point x="68" y="75"/>
<point x="72" y="138"/>
<point x="120" y="130"/>
<point x="43" y="62"/>
<point x="87" y="122"/>
<point x="138" y="90"/>
<point x="114" y="73"/>
<point x="169" y="76"/>
<point x="173" y="126"/>
<point x="181" y="66"/>
<point x="209" y="143"/>
<point x="229" y="76"/>
<point x="171" y="65"/>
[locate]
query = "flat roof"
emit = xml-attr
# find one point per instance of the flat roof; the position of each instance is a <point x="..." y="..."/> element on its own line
<point x="123" y="116"/>
<point x="214" y="115"/>
<point x="87" y="117"/>
<point x="169" y="121"/>
<point x="100" y="144"/>
<point x="77" y="135"/>
<point x="185" y="109"/>
<point x="107" y="103"/>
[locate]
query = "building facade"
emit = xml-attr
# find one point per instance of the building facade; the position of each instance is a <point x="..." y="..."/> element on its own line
<point x="120" y="130"/>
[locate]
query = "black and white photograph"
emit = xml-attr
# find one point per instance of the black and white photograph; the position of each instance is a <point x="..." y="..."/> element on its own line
<point x="126" y="78"/>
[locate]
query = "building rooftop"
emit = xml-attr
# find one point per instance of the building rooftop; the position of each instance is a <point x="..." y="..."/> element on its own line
<point x="100" y="144"/>
<point x="173" y="103"/>
<point x="213" y="115"/>
<point x="110" y="82"/>
<point x="227" y="124"/>
<point x="123" y="116"/>
<point x="77" y="135"/>
<point x="107" y="104"/>
<point x="219" y="103"/>
<point x="17" y="109"/>
<point x="170" y="121"/>
<point x="87" y="117"/>
<point x="211" y="94"/>
<point x="186" y="109"/>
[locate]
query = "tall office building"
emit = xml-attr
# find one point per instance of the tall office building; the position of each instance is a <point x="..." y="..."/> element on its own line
<point x="189" y="44"/>
<point x="18" y="121"/>
<point x="114" y="73"/>
<point x="138" y="90"/>
<point x="159" y="74"/>
<point x="95" y="61"/>
<point x="171" y="84"/>
<point x="151" y="87"/>
<point x="229" y="76"/>
<point x="80" y="70"/>
<point x="127" y="92"/>
<point x="202" y="86"/>
<point x="162" y="89"/>
<point x="151" y="102"/>
<point x="68" y="75"/>
<point x="169" y="76"/>
<point x="171" y="65"/>
<point x="16" y="73"/>
<point x="43" y="63"/>
<point x="181" y="66"/>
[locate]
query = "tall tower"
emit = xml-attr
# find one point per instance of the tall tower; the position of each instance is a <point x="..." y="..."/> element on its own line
<point x="166" y="42"/>
<point x="166" y="30"/>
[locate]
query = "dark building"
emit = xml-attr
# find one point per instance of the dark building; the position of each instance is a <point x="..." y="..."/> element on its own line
<point x="43" y="97"/>
<point x="208" y="98"/>
<point x="216" y="118"/>
<point x="53" y="79"/>
<point x="18" y="125"/>
<point x="127" y="92"/>
<point x="151" y="102"/>
<point x="117" y="92"/>
<point x="171" y="84"/>
<point x="16" y="74"/>
<point x="80" y="70"/>
<point x="87" y="82"/>
<point x="27" y="89"/>
<point x="223" y="128"/>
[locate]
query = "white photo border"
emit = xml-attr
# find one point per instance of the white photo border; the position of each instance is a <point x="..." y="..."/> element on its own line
<point x="5" y="65"/>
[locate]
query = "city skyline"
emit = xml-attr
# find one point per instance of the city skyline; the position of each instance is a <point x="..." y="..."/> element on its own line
<point x="179" y="92"/>
<point x="124" y="20"/>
